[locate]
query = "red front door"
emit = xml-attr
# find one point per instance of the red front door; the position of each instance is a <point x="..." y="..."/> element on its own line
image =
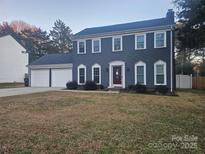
<point x="117" y="75"/>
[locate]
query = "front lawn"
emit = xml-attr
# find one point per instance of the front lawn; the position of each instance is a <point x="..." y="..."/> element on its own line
<point x="11" y="85"/>
<point x="65" y="122"/>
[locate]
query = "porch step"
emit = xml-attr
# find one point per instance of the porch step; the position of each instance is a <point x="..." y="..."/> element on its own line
<point x="115" y="89"/>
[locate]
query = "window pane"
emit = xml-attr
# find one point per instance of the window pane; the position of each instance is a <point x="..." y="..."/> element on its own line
<point x="160" y="36"/>
<point x="82" y="79"/>
<point x="82" y="71"/>
<point x="140" y="79"/>
<point x="140" y="70"/>
<point x="160" y="69"/>
<point x="96" y="75"/>
<point x="140" y="74"/>
<point x="81" y="47"/>
<point x="96" y="44"/>
<point x="82" y="75"/>
<point x="140" y="38"/>
<point x="160" y="39"/>
<point x="160" y="79"/>
<point x="140" y="41"/>
<point x="160" y="43"/>
<point x="117" y="43"/>
<point x="140" y="45"/>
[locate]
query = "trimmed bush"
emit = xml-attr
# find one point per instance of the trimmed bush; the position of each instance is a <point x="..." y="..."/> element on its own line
<point x="72" y="85"/>
<point x="139" y="88"/>
<point x="100" y="87"/>
<point x="90" y="85"/>
<point x="131" y="87"/>
<point x="162" y="89"/>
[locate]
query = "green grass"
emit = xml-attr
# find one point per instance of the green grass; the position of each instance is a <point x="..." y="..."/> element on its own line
<point x="64" y="122"/>
<point x="11" y="85"/>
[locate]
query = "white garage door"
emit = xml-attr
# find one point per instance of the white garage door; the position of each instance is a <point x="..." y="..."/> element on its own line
<point x="60" y="77"/>
<point x="40" y="78"/>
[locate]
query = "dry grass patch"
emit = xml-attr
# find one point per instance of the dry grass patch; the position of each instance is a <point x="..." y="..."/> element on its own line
<point x="11" y="85"/>
<point x="63" y="122"/>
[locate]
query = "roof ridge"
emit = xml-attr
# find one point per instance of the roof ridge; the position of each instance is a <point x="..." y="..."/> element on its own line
<point x="126" y="23"/>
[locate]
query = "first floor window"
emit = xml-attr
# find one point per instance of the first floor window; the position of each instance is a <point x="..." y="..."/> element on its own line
<point x="140" y="73"/>
<point x="81" y="74"/>
<point x="96" y="72"/>
<point x="160" y="73"/>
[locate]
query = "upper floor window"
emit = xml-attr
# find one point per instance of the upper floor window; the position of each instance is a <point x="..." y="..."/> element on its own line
<point x="160" y="39"/>
<point x="140" y="73"/>
<point x="117" y="43"/>
<point x="160" y="73"/>
<point x="81" y="74"/>
<point x="82" y="47"/>
<point x="140" y="41"/>
<point x="96" y="73"/>
<point x="96" y="46"/>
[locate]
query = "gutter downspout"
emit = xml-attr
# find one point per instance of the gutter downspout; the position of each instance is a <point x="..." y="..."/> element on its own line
<point x="171" y="58"/>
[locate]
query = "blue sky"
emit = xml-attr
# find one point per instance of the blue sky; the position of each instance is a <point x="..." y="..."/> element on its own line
<point x="80" y="14"/>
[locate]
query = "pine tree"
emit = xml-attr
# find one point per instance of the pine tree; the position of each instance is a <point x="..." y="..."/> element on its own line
<point x="61" y="36"/>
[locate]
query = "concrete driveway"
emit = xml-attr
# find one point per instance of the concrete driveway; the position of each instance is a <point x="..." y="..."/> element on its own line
<point x="24" y="90"/>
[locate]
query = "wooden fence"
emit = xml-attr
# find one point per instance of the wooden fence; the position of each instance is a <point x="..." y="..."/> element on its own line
<point x="198" y="82"/>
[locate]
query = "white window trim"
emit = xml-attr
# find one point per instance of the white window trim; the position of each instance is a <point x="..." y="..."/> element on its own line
<point x="165" y="39"/>
<point x="78" y="42"/>
<point x="160" y="62"/>
<point x="140" y="63"/>
<point x="96" y="39"/>
<point x="121" y="43"/>
<point x="145" y="41"/>
<point x="96" y="66"/>
<point x="81" y="66"/>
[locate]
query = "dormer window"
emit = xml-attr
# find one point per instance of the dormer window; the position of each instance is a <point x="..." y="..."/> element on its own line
<point x="96" y="46"/>
<point x="82" y="47"/>
<point x="117" y="43"/>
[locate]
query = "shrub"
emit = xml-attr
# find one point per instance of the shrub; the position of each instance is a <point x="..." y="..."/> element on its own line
<point x="72" y="85"/>
<point x="90" y="85"/>
<point x="139" y="88"/>
<point x="100" y="87"/>
<point x="162" y="89"/>
<point x="131" y="87"/>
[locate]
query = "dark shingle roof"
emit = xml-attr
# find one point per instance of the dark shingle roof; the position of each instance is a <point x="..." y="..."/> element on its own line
<point x="53" y="59"/>
<point x="126" y="26"/>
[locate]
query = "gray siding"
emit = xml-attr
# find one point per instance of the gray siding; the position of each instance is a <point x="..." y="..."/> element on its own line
<point x="129" y="55"/>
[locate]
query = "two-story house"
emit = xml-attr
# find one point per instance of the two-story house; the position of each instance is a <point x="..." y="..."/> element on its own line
<point x="115" y="56"/>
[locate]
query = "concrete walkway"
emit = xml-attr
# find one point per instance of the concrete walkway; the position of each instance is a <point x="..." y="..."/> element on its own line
<point x="24" y="90"/>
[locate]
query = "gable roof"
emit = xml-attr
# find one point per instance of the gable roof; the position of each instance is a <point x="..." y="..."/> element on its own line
<point x="165" y="22"/>
<point x="8" y="39"/>
<point x="50" y="59"/>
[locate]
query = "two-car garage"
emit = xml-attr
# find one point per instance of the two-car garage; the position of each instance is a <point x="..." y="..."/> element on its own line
<point x="53" y="70"/>
<point x="52" y="77"/>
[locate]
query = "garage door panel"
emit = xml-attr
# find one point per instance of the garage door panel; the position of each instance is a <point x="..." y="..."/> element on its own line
<point x="60" y="77"/>
<point x="40" y="78"/>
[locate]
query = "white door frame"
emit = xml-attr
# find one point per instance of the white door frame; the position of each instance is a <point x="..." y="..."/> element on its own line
<point x="116" y="63"/>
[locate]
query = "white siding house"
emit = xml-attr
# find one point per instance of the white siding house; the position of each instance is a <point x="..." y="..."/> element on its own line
<point x="13" y="60"/>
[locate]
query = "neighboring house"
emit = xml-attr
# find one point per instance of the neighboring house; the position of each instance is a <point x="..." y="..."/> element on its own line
<point x="13" y="60"/>
<point x="115" y="56"/>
